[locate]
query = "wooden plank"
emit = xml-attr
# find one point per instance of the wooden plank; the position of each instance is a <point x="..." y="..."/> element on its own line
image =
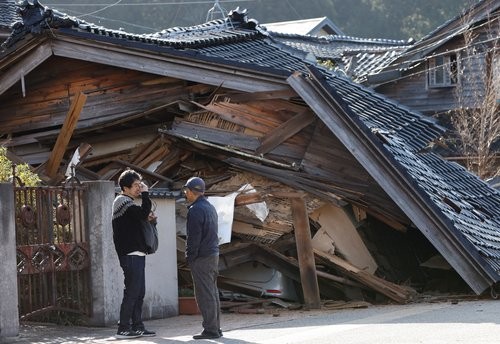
<point x="338" y="227"/>
<point x="227" y="138"/>
<point x="148" y="148"/>
<point x="286" y="130"/>
<point x="172" y="66"/>
<point x="305" y="254"/>
<point x="23" y="67"/>
<point x="67" y="129"/>
<point x="143" y="171"/>
<point x="245" y="97"/>
<point x="393" y="291"/>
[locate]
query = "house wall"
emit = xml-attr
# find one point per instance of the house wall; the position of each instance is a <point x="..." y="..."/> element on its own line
<point x="411" y="88"/>
<point x="161" y="300"/>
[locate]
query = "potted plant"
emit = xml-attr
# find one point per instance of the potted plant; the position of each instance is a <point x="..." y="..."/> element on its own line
<point x="187" y="302"/>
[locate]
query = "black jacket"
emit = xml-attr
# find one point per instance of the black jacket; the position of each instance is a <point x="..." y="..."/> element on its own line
<point x="127" y="228"/>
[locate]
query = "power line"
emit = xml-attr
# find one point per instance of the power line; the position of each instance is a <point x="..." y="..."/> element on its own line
<point x="102" y="9"/>
<point x="147" y="3"/>
<point x="76" y="14"/>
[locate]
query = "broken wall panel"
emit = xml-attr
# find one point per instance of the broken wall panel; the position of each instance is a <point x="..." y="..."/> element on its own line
<point x="338" y="226"/>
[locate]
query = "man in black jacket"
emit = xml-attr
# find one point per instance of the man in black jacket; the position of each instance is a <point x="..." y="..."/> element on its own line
<point x="131" y="249"/>
<point x="202" y="255"/>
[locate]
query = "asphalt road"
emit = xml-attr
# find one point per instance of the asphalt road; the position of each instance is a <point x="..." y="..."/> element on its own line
<point x="429" y="323"/>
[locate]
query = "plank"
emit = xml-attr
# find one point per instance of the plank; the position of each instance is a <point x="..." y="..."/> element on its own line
<point x="64" y="136"/>
<point x="393" y="291"/>
<point x="23" y="67"/>
<point x="252" y="96"/>
<point x="305" y="254"/>
<point x="172" y="66"/>
<point x="283" y="132"/>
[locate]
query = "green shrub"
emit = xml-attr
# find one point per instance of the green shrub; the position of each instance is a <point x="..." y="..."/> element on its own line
<point x="23" y="171"/>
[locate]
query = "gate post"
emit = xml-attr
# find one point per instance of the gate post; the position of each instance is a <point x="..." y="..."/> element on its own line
<point x="105" y="269"/>
<point x="9" y="314"/>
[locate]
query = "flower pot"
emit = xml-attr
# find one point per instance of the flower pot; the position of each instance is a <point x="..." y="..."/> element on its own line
<point x="188" y="305"/>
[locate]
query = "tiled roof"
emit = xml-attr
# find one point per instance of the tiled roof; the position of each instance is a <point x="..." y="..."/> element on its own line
<point x="356" y="56"/>
<point x="8" y="14"/>
<point x="483" y="10"/>
<point x="469" y="205"/>
<point x="386" y="118"/>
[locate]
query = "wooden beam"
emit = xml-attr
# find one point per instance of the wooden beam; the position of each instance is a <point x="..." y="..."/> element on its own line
<point x="393" y="291"/>
<point x="305" y="254"/>
<point x="286" y="130"/>
<point x="143" y="171"/>
<point x="67" y="129"/>
<point x="24" y="66"/>
<point x="246" y="97"/>
<point x="175" y="66"/>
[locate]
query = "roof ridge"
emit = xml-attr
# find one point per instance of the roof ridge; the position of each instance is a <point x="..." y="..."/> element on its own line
<point x="336" y="38"/>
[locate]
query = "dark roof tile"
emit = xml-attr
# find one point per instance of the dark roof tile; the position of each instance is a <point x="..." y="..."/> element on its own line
<point x="8" y="14"/>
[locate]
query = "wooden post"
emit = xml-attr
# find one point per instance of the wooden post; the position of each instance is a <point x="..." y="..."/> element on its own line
<point x="65" y="134"/>
<point x="305" y="254"/>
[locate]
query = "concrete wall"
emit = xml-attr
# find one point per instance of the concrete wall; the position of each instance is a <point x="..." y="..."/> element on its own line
<point x="160" y="300"/>
<point x="9" y="314"/>
<point x="161" y="267"/>
<point x="106" y="274"/>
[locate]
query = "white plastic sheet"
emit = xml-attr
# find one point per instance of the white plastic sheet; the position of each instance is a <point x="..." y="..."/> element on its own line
<point x="225" y="211"/>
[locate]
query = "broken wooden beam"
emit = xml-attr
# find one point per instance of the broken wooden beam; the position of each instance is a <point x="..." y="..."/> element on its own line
<point x="393" y="291"/>
<point x="65" y="134"/>
<point x="305" y="254"/>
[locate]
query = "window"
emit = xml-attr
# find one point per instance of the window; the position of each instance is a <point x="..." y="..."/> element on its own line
<point x="442" y="71"/>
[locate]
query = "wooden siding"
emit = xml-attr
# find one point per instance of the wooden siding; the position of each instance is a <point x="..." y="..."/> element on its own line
<point x="411" y="89"/>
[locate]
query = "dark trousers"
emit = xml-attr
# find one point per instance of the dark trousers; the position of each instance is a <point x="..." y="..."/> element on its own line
<point x="133" y="294"/>
<point x="204" y="271"/>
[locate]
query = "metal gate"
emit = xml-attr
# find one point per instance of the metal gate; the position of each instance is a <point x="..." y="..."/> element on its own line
<point x="53" y="263"/>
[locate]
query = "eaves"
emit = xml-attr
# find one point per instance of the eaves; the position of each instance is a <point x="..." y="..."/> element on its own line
<point x="166" y="61"/>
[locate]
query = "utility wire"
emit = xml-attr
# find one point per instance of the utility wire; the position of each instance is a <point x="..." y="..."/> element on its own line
<point x="78" y="14"/>
<point x="147" y="3"/>
<point x="102" y="9"/>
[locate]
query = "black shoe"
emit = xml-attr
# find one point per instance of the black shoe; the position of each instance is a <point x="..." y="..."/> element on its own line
<point x="146" y="333"/>
<point x="127" y="334"/>
<point x="220" y="333"/>
<point x="207" y="335"/>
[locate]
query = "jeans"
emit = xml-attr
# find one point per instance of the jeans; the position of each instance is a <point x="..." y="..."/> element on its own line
<point x="133" y="293"/>
<point x="204" y="271"/>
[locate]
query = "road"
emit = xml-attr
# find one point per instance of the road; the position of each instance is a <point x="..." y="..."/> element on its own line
<point x="429" y="323"/>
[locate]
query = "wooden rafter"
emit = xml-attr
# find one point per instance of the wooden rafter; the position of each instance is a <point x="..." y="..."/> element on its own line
<point x="286" y="130"/>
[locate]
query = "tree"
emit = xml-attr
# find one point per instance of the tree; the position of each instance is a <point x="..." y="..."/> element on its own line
<point x="477" y="119"/>
<point x="23" y="171"/>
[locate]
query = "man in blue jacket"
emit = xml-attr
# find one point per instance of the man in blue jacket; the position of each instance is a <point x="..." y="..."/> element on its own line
<point x="202" y="255"/>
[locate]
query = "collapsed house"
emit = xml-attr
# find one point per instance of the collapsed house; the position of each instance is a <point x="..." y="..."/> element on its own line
<point x="333" y="162"/>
